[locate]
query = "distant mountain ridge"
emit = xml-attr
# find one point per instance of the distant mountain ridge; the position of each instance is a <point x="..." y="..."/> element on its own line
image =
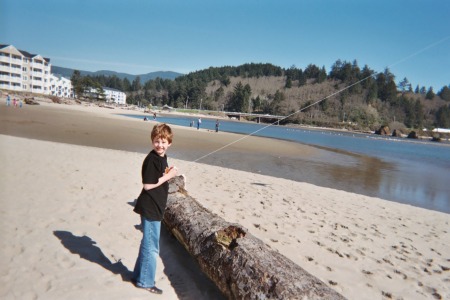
<point x="67" y="72"/>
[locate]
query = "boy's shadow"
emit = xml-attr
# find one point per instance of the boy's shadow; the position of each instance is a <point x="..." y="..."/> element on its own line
<point x="85" y="247"/>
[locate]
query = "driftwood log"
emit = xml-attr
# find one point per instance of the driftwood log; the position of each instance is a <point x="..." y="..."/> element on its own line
<point x="240" y="265"/>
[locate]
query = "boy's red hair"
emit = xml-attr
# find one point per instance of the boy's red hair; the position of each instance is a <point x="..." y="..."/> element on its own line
<point x="162" y="131"/>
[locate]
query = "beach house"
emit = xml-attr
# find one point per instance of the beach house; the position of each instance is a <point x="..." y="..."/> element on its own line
<point x="26" y="72"/>
<point x="23" y="71"/>
<point x="60" y="86"/>
<point x="115" y="96"/>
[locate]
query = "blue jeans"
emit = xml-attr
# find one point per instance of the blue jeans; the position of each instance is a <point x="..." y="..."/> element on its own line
<point x="145" y="268"/>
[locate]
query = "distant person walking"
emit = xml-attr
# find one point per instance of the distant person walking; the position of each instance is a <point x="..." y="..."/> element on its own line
<point x="199" y="122"/>
<point x="8" y="100"/>
<point x="217" y="125"/>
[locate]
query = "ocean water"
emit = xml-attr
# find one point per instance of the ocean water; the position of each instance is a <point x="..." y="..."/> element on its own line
<point x="408" y="171"/>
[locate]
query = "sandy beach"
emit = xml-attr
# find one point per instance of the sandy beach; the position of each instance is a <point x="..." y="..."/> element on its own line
<point x="71" y="172"/>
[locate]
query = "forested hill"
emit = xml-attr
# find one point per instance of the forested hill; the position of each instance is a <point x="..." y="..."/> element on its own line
<point x="347" y="96"/>
<point x="66" y="72"/>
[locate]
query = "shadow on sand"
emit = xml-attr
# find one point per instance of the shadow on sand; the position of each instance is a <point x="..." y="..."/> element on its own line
<point x="85" y="247"/>
<point x="182" y="271"/>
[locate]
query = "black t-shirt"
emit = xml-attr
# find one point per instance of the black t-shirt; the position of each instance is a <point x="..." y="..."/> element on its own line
<point x="152" y="203"/>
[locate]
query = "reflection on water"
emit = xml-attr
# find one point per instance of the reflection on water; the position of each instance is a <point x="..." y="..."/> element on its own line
<point x="350" y="172"/>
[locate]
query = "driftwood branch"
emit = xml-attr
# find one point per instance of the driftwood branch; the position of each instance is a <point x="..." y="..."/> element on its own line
<point x="241" y="265"/>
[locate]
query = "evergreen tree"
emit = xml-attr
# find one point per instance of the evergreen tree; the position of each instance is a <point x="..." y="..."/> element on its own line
<point x="322" y="75"/>
<point x="444" y="93"/>
<point x="275" y="106"/>
<point x="247" y="95"/>
<point x="76" y="83"/>
<point x="219" y="93"/>
<point x="367" y="75"/>
<point x="100" y="92"/>
<point x="126" y="85"/>
<point x="88" y="85"/>
<point x="419" y="111"/>
<point x="288" y="83"/>
<point x="430" y="94"/>
<point x="443" y="117"/>
<point x="423" y="90"/>
<point x="225" y="80"/>
<point x="136" y="85"/>
<point x="404" y="85"/>
<point x="387" y="89"/>
<point x="302" y="79"/>
<point x="312" y="71"/>
<point x="372" y="91"/>
<point x="256" y="102"/>
<point x="237" y="98"/>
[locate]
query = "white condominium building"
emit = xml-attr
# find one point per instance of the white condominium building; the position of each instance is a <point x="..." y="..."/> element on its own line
<point x="26" y="72"/>
<point x="115" y="96"/>
<point x="23" y="71"/>
<point x="61" y="87"/>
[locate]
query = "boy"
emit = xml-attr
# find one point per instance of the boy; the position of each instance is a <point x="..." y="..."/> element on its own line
<point x="151" y="204"/>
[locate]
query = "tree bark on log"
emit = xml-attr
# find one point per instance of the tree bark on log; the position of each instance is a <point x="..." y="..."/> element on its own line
<point x="241" y="265"/>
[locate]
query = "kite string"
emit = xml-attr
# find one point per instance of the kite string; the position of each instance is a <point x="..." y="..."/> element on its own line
<point x="323" y="99"/>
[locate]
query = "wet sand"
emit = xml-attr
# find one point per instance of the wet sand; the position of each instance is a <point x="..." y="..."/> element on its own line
<point x="271" y="157"/>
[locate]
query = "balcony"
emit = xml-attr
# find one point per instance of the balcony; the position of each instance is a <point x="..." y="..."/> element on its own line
<point x="15" y="79"/>
<point x="34" y="65"/>
<point x="36" y="83"/>
<point x="7" y="86"/>
<point x="4" y="68"/>
<point x="5" y="59"/>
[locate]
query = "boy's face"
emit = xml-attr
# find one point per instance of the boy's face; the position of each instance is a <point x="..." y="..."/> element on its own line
<point x="160" y="146"/>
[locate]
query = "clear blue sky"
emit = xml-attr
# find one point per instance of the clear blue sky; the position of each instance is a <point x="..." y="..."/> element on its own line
<point x="412" y="37"/>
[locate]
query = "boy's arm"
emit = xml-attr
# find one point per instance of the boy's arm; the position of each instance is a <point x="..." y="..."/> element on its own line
<point x="167" y="176"/>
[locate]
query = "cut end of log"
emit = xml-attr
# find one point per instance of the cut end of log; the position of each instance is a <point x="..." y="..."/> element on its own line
<point x="177" y="185"/>
<point x="228" y="236"/>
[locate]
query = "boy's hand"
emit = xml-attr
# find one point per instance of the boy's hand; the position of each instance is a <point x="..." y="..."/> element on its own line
<point x="172" y="171"/>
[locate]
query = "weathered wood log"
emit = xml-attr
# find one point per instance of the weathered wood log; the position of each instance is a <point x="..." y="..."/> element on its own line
<point x="241" y="265"/>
